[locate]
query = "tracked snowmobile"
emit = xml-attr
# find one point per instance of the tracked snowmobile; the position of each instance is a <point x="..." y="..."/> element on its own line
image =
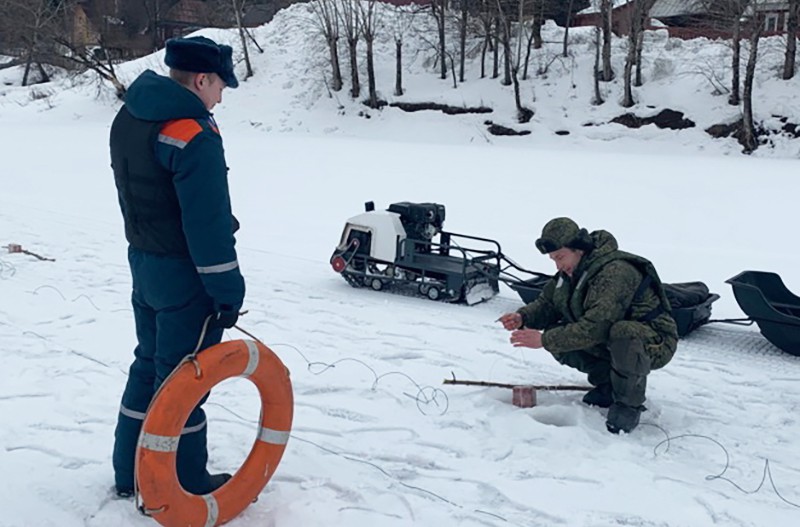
<point x="405" y="249"/>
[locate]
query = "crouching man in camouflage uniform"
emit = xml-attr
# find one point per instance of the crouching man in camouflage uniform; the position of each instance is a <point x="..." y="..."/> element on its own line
<point x="604" y="313"/>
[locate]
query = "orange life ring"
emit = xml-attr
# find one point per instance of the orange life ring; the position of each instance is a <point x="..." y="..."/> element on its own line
<point x="160" y="493"/>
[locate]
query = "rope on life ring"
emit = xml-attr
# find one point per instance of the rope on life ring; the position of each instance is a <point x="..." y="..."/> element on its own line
<point x="159" y="490"/>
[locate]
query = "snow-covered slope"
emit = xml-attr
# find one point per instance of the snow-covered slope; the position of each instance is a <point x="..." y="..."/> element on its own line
<point x="290" y="93"/>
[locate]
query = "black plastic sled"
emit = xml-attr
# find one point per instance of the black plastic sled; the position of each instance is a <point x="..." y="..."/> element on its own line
<point x="691" y="305"/>
<point x="766" y="300"/>
<point x="529" y="290"/>
<point x="690" y="301"/>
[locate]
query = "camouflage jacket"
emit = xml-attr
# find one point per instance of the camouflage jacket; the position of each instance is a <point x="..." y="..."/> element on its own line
<point x="577" y="313"/>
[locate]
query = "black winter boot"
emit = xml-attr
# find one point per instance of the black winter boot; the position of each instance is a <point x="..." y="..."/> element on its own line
<point x="600" y="396"/>
<point x="623" y="418"/>
<point x="124" y="492"/>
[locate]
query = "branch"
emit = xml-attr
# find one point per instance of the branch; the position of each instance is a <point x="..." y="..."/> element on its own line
<point x="543" y="387"/>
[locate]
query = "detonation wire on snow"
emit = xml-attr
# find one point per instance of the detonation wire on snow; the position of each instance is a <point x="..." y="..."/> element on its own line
<point x="421" y="398"/>
<point x="426" y="396"/>
<point x="765" y="475"/>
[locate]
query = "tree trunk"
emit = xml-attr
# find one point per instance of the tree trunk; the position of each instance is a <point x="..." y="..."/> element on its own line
<point x="641" y="8"/>
<point x="398" y="68"/>
<point x="517" y="58"/>
<point x="564" y="52"/>
<point x="517" y="95"/>
<point x="43" y="76"/>
<point x="605" y="14"/>
<point x="237" y="10"/>
<point x="373" y="91"/>
<point x="536" y="28"/>
<point x="527" y="57"/>
<point x="643" y="16"/>
<point x="638" y="59"/>
<point x="337" y="70"/>
<point x="791" y="39"/>
<point x="484" y="47"/>
<point x="352" y="46"/>
<point x="506" y="57"/>
<point x="633" y="36"/>
<point x="326" y="18"/>
<point x="505" y="38"/>
<point x="28" y="63"/>
<point x="598" y="99"/>
<point x="462" y="39"/>
<point x="736" y="45"/>
<point x="511" y="72"/>
<point x="442" y="47"/>
<point x="748" y="138"/>
<point x="453" y="69"/>
<point x="496" y="51"/>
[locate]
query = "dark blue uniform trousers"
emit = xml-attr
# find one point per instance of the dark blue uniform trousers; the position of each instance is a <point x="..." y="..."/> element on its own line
<point x="169" y="307"/>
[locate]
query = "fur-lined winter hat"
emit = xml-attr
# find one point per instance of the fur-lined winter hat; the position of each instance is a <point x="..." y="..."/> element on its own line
<point x="563" y="232"/>
<point x="201" y="55"/>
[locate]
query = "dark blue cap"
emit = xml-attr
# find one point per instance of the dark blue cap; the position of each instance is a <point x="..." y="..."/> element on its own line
<point x="201" y="55"/>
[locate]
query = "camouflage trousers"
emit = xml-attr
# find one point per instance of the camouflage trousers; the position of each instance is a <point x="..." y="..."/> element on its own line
<point x="596" y="362"/>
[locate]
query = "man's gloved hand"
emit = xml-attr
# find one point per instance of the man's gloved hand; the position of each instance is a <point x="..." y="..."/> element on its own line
<point x="226" y="318"/>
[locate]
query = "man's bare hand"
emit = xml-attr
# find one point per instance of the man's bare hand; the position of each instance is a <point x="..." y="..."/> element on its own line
<point x="527" y="338"/>
<point x="511" y="321"/>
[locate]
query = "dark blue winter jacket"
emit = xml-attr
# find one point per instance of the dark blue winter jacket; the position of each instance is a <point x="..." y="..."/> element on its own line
<point x="169" y="167"/>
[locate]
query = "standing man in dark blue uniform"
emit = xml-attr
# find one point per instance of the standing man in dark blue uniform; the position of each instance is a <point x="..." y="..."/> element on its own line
<point x="171" y="177"/>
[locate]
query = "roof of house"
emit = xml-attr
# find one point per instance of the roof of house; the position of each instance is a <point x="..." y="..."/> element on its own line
<point x="670" y="8"/>
<point x="772" y="5"/>
<point x="595" y="6"/>
<point x="188" y="12"/>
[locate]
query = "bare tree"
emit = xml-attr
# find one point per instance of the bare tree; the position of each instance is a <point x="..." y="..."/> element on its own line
<point x="486" y="16"/>
<point x="528" y="46"/>
<point x="534" y="36"/>
<point x="736" y="47"/>
<point x="570" y="3"/>
<point x="370" y="22"/>
<point x="791" y="38"/>
<point x="438" y="9"/>
<point x="238" y="12"/>
<point x="728" y="15"/>
<point x="748" y="137"/>
<point x="463" y="19"/>
<point x="606" y="10"/>
<point x="87" y="60"/>
<point x="598" y="98"/>
<point x="644" y="19"/>
<point x="227" y="11"/>
<point x="496" y="47"/>
<point x="350" y="18"/>
<point x="641" y="8"/>
<point x="504" y="34"/>
<point x="153" y="10"/>
<point x="401" y="20"/>
<point x="326" y="18"/>
<point x="33" y="24"/>
<point x="513" y="59"/>
<point x="537" y="21"/>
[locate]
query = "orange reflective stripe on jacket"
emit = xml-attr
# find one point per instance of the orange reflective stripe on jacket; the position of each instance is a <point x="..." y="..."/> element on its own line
<point x="179" y="133"/>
